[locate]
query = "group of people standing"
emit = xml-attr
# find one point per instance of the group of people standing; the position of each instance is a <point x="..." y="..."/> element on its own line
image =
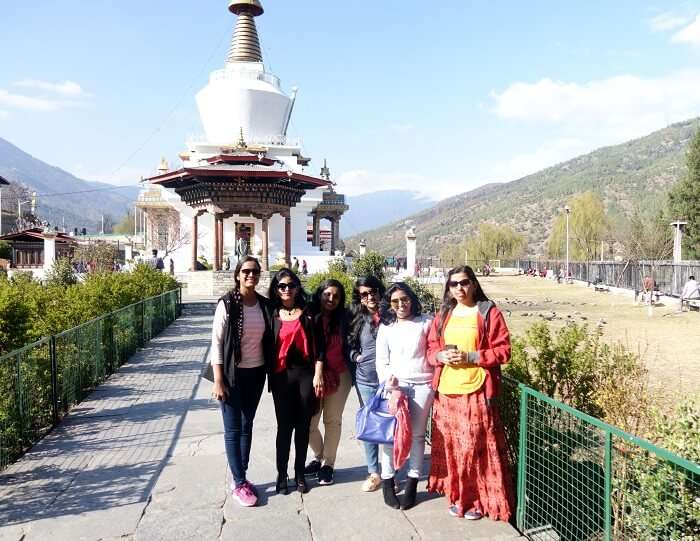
<point x="313" y="352"/>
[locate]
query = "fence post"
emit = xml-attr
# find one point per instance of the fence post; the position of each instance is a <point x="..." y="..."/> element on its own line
<point x="142" y="332"/>
<point x="522" y="454"/>
<point x="112" y="353"/>
<point x="54" y="379"/>
<point x="608" y="485"/>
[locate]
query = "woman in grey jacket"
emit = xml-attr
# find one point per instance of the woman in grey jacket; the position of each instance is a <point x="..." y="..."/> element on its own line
<point x="364" y="324"/>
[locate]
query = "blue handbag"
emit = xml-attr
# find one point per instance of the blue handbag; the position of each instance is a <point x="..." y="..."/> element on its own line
<point x="373" y="422"/>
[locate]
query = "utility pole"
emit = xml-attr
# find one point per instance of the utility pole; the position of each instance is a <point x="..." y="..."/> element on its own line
<point x="103" y="224"/>
<point x="567" y="210"/>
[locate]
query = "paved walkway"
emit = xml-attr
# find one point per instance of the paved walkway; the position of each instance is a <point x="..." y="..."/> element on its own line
<point x="142" y="459"/>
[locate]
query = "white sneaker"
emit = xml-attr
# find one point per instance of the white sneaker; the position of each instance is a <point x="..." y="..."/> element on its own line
<point x="372" y="483"/>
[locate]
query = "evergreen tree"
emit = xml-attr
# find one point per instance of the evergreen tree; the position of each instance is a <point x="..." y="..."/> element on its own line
<point x="684" y="200"/>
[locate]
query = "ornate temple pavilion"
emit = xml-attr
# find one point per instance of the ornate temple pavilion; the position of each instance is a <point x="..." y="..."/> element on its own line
<point x="244" y="187"/>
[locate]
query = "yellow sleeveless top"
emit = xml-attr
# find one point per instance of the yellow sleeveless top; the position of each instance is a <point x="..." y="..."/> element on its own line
<point x="461" y="330"/>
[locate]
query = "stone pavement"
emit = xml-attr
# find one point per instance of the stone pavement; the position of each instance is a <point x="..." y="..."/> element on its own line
<point x="142" y="459"/>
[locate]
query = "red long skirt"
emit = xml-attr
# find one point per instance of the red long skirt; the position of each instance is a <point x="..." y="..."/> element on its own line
<point x="469" y="463"/>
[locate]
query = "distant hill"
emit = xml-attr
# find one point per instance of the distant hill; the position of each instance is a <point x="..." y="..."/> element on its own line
<point x="78" y="209"/>
<point x="369" y="211"/>
<point x="637" y="172"/>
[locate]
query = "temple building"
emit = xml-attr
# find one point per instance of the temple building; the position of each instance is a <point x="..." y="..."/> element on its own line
<point x="244" y="188"/>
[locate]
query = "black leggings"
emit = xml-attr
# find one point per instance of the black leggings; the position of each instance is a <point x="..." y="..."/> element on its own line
<point x="295" y="404"/>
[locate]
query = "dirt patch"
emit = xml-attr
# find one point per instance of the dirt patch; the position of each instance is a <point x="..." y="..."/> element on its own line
<point x="668" y="340"/>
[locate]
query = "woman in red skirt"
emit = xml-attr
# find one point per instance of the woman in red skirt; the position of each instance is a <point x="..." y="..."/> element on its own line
<point x="468" y="343"/>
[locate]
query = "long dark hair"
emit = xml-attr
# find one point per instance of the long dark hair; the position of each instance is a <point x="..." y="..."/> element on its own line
<point x="299" y="298"/>
<point x="449" y="302"/>
<point x="359" y="313"/>
<point x="337" y="315"/>
<point x="386" y="312"/>
<point x="239" y="265"/>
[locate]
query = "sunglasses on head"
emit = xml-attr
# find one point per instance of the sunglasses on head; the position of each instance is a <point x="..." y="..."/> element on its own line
<point x="402" y="300"/>
<point x="254" y="272"/>
<point x="368" y="294"/>
<point x="463" y="283"/>
<point x="284" y="286"/>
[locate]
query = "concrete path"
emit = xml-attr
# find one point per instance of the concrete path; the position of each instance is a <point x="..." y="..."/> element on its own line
<point x="142" y="459"/>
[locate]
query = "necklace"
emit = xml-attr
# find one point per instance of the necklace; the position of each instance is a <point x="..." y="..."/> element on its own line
<point x="288" y="311"/>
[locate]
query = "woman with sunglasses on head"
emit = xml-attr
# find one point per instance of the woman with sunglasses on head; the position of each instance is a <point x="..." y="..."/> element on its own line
<point x="297" y="374"/>
<point x="331" y="323"/>
<point x="468" y="343"/>
<point x="242" y="350"/>
<point x="402" y="365"/>
<point x="362" y="339"/>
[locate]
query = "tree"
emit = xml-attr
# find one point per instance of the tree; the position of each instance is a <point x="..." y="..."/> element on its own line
<point x="684" y="199"/>
<point x="370" y="264"/>
<point x="588" y="225"/>
<point x="126" y="225"/>
<point x="99" y="255"/>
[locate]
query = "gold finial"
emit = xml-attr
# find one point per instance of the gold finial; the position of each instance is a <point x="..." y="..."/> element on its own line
<point x="325" y="172"/>
<point x="241" y="141"/>
<point x="245" y="45"/>
<point x="163" y="167"/>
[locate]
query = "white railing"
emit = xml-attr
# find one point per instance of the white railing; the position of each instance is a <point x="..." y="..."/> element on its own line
<point x="223" y="74"/>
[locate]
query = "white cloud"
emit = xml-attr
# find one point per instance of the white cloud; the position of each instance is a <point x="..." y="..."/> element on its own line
<point x="29" y="103"/>
<point x="63" y="88"/>
<point x="667" y="21"/>
<point x="361" y="181"/>
<point x="689" y="34"/>
<point x="4" y="114"/>
<point x="613" y="109"/>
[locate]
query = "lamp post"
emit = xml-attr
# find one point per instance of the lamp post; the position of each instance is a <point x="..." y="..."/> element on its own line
<point x="567" y="210"/>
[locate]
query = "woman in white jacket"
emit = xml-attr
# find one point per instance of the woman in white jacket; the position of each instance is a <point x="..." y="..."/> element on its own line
<point x="402" y="364"/>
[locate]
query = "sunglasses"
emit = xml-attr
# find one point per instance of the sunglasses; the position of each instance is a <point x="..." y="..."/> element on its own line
<point x="254" y="272"/>
<point x="403" y="300"/>
<point x="463" y="283"/>
<point x="368" y="294"/>
<point x="284" y="286"/>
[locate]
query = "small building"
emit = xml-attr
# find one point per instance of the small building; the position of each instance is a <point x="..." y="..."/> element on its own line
<point x="29" y="248"/>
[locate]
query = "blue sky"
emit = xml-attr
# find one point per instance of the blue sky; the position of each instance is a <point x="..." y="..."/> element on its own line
<point x="437" y="97"/>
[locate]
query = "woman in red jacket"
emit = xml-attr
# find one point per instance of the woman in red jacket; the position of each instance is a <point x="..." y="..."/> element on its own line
<point x="468" y="343"/>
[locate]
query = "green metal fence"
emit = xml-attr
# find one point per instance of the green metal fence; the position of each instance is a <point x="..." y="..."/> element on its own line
<point x="580" y="479"/>
<point x="41" y="382"/>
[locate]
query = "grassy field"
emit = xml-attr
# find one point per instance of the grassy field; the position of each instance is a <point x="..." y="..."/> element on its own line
<point x="667" y="340"/>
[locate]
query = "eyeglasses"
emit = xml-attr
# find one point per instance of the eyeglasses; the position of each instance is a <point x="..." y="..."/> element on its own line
<point x="254" y="272"/>
<point x="284" y="286"/>
<point x="463" y="283"/>
<point x="402" y="300"/>
<point x="368" y="294"/>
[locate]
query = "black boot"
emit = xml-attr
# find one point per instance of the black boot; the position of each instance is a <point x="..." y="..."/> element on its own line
<point x="281" y="486"/>
<point x="390" y="493"/>
<point x="409" y="493"/>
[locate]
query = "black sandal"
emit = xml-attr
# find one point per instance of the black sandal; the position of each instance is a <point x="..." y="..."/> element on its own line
<point x="282" y="486"/>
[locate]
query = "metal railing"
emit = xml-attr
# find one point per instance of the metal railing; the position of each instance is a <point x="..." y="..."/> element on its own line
<point x="669" y="277"/>
<point x="41" y="382"/>
<point x="579" y="478"/>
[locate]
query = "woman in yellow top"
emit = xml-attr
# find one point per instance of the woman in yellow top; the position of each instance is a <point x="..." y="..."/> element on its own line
<point x="468" y="343"/>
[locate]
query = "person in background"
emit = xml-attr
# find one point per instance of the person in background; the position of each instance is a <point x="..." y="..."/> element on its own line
<point x="364" y="325"/>
<point x="242" y="351"/>
<point x="304" y="267"/>
<point x="468" y="343"/>
<point x="297" y="374"/>
<point x="172" y="267"/>
<point x="155" y="261"/>
<point x="295" y="265"/>
<point x="691" y="290"/>
<point x="330" y="319"/>
<point x="402" y="364"/>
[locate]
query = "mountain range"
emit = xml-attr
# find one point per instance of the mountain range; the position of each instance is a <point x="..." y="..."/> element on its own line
<point x="637" y="173"/>
<point x="370" y="210"/>
<point x="81" y="203"/>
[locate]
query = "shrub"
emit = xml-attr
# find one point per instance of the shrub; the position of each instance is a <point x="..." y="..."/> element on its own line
<point x="61" y="273"/>
<point x="337" y="266"/>
<point x="370" y="264"/>
<point x="425" y="295"/>
<point x="5" y="250"/>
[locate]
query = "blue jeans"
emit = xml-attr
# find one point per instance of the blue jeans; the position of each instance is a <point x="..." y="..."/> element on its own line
<point x="238" y="412"/>
<point x="365" y="393"/>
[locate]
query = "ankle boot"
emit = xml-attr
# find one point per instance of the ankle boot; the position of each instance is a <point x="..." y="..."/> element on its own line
<point x="389" y="492"/>
<point x="409" y="493"/>
<point x="281" y="486"/>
